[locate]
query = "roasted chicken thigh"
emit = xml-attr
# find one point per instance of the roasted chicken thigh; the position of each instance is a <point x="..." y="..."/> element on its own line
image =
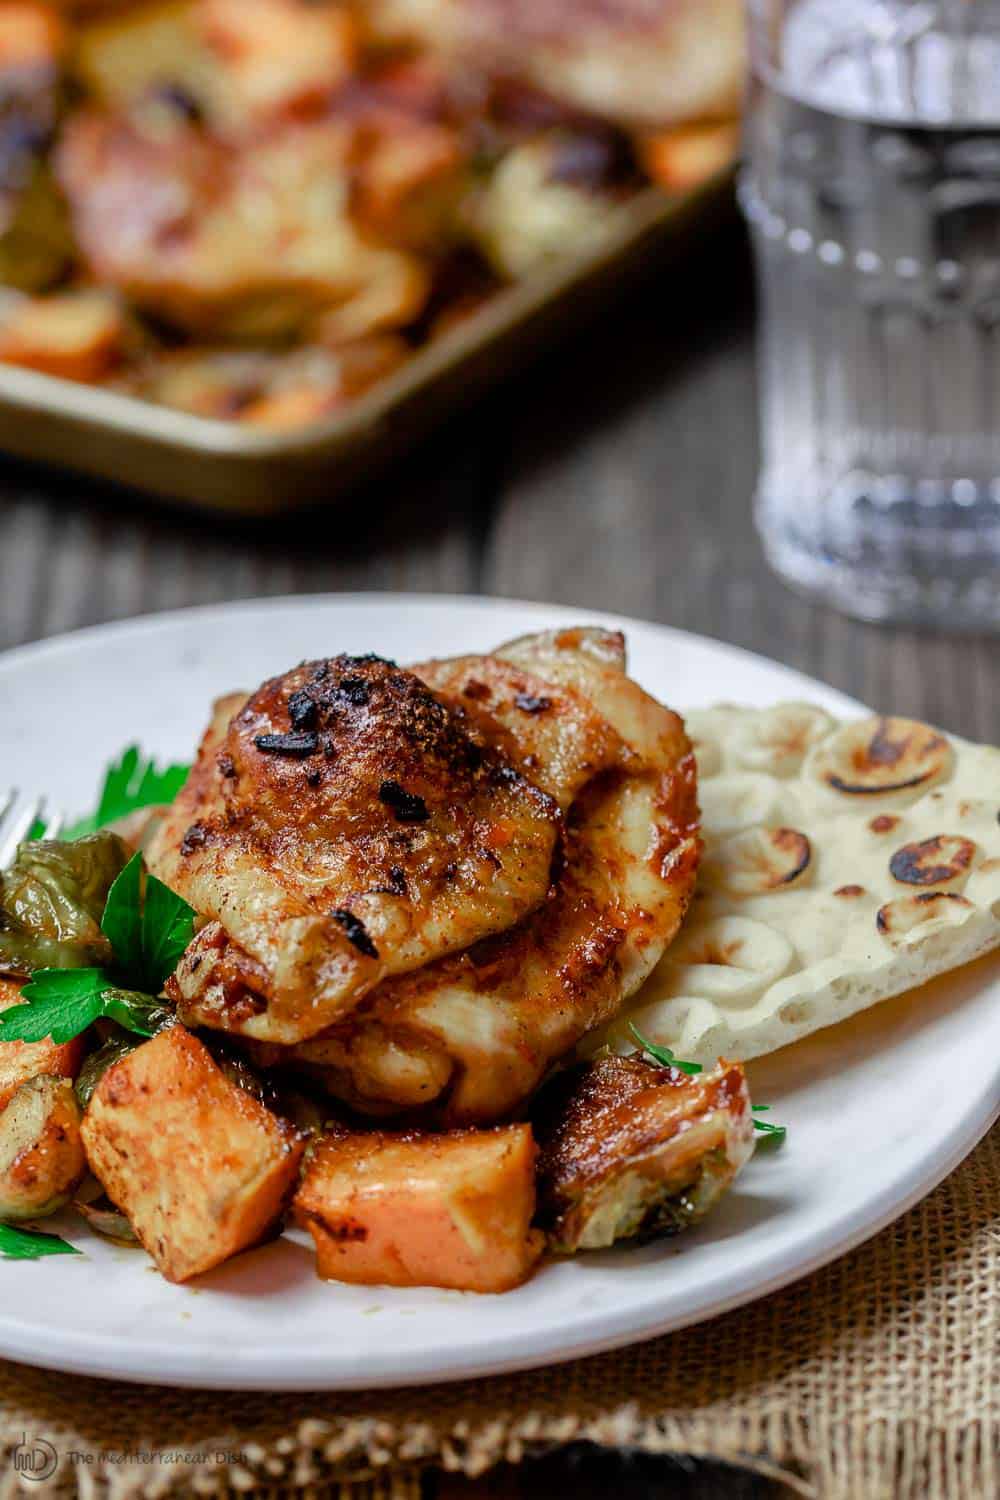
<point x="344" y="825"/>
<point x="424" y="887"/>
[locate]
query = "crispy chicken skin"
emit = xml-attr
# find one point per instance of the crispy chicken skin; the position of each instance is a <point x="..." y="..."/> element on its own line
<point x="344" y="826"/>
<point x="558" y="738"/>
<point x="630" y="1149"/>
<point x="471" y="1036"/>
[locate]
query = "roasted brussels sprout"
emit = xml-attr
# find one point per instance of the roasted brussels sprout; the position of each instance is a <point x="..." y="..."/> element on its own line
<point x="52" y="900"/>
<point x="97" y="1064"/>
<point x="35" y="242"/>
<point x="41" y="1155"/>
<point x="105" y="1220"/>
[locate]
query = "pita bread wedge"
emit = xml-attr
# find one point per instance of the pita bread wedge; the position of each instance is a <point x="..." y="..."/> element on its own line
<point x="844" y="863"/>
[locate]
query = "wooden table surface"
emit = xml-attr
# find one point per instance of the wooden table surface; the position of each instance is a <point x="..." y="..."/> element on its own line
<point x="615" y="474"/>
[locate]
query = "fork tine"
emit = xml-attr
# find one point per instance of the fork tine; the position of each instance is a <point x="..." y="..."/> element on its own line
<point x="54" y="820"/>
<point x="17" y="821"/>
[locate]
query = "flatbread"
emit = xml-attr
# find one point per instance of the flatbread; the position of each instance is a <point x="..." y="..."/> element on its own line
<point x="844" y="863"/>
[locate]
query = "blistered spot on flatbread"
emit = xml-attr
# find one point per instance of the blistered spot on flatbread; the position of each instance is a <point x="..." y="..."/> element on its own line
<point x="730" y="803"/>
<point x="730" y="955"/>
<point x="778" y="740"/>
<point x="913" y="919"/>
<point x="878" y="757"/>
<point x="760" y="859"/>
<point x="940" y="860"/>
<point x="708" y="757"/>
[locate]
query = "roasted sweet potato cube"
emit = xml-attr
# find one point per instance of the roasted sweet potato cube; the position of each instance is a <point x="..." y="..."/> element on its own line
<point x="629" y="1149"/>
<point x="20" y="1061"/>
<point x="136" y="51"/>
<point x="200" y="1168"/>
<point x="448" y="1210"/>
<point x="686" y="156"/>
<point x="31" y="36"/>
<point x="41" y="1157"/>
<point x="279" y="54"/>
<point x="76" y="335"/>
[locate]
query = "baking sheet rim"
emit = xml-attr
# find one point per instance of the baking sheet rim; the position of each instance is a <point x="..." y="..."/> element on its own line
<point x="95" y="405"/>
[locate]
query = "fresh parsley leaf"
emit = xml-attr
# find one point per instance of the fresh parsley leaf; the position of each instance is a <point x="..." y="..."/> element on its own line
<point x="134" y="1010"/>
<point x="148" y="936"/>
<point x="773" y="1134"/>
<point x="122" y="921"/>
<point x="663" y="1055"/>
<point x="130" y="783"/>
<point x="31" y="1244"/>
<point x="36" y="831"/>
<point x="60" y="1003"/>
<point x="167" y="928"/>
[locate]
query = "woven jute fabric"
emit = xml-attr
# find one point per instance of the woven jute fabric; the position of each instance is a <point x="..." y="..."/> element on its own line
<point x="875" y="1378"/>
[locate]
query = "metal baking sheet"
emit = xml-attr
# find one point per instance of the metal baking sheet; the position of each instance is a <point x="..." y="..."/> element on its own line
<point x="228" y="467"/>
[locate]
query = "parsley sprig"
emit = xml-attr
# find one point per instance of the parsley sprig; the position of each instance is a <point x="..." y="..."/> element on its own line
<point x="773" y="1134"/>
<point x="130" y="783"/>
<point x="148" y="933"/>
<point x="662" y="1055"/>
<point x="31" y="1244"/>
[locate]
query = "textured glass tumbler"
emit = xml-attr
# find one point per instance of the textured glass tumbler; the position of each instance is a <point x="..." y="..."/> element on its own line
<point x="872" y="189"/>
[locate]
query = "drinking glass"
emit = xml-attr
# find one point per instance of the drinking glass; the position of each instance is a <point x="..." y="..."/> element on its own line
<point x="872" y="189"/>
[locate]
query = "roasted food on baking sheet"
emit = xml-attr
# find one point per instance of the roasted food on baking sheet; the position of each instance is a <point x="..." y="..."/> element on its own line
<point x="177" y="228"/>
<point x="182" y="181"/>
<point x="450" y="1210"/>
<point x="35" y="244"/>
<point x="630" y="1150"/>
<point x="78" y="335"/>
<point x="647" y="62"/>
<point x="265" y="388"/>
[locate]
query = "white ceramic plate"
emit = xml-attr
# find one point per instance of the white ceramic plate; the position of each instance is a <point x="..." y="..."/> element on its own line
<point x="878" y="1110"/>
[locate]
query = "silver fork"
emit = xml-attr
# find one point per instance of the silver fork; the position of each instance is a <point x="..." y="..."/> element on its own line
<point x="17" y="817"/>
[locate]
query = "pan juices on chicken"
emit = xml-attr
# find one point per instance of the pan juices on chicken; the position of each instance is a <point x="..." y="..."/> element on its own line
<point x="418" y="889"/>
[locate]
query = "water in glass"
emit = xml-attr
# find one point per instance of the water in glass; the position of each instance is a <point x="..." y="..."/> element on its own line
<point x="873" y="193"/>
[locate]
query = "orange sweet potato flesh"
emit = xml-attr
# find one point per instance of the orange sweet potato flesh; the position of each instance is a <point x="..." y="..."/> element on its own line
<point x="450" y="1210"/>
<point x="73" y="335"/>
<point x="31" y="35"/>
<point x="201" y="1168"/>
<point x="21" y="1061"/>
<point x="686" y="156"/>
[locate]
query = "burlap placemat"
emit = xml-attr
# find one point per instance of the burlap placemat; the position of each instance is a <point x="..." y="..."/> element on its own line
<point x="877" y="1378"/>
